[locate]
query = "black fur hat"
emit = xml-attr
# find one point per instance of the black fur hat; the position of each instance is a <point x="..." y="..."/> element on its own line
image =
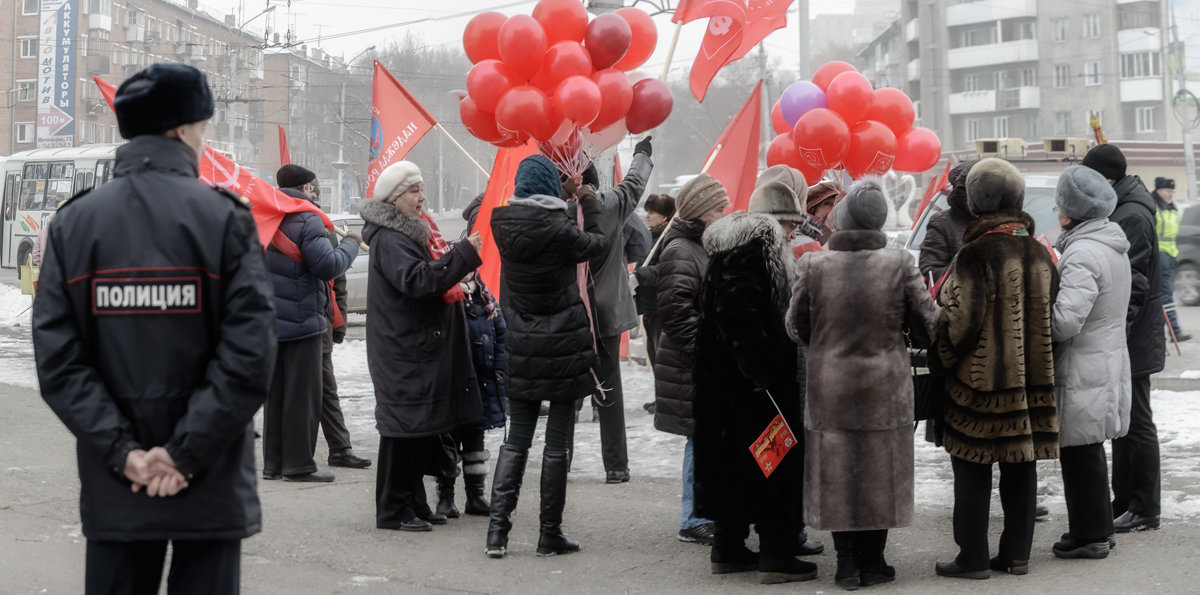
<point x="161" y="97"/>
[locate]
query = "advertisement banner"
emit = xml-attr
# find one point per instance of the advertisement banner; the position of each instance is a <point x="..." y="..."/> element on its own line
<point x="56" y="74"/>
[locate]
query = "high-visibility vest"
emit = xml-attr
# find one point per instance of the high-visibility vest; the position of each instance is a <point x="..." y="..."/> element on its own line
<point x="1166" y="223"/>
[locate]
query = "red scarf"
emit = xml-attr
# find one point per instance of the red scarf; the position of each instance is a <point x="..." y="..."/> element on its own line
<point x="437" y="247"/>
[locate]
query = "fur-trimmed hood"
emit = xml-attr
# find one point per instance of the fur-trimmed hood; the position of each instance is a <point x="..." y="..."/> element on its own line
<point x="385" y="215"/>
<point x="541" y="201"/>
<point x="740" y="229"/>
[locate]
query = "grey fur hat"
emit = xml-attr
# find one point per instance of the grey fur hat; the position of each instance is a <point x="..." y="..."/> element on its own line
<point x="994" y="184"/>
<point x="778" y="200"/>
<point x="864" y="208"/>
<point x="1083" y="193"/>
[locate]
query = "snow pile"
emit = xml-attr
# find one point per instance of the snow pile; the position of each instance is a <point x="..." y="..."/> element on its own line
<point x="1190" y="374"/>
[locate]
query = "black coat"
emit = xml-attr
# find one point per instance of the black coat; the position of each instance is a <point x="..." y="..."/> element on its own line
<point x="742" y="352"/>
<point x="488" y="334"/>
<point x="944" y="237"/>
<point x="681" y="267"/>
<point x="160" y="337"/>
<point x="1144" y="324"/>
<point x="418" y="351"/>
<point x="550" y="347"/>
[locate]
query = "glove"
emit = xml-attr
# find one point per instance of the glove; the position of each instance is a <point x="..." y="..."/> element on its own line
<point x="586" y="192"/>
<point x="643" y="147"/>
<point x="353" y="236"/>
<point x="568" y="189"/>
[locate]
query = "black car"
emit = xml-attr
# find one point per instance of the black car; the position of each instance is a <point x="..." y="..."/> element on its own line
<point x="1187" y="269"/>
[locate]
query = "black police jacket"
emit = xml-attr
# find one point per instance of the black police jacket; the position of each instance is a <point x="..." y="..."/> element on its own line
<point x="154" y="326"/>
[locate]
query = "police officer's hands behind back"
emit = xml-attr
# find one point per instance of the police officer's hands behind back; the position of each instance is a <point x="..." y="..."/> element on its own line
<point x="154" y="470"/>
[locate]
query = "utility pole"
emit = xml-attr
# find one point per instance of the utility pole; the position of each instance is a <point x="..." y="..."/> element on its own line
<point x="341" y="164"/>
<point x="805" y="39"/>
<point x="1184" y="103"/>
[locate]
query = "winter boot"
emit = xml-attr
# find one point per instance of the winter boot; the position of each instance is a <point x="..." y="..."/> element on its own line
<point x="776" y="567"/>
<point x="874" y="568"/>
<point x="506" y="489"/>
<point x="475" y="470"/>
<point x="848" y="572"/>
<point x="554" y="498"/>
<point x="445" y="503"/>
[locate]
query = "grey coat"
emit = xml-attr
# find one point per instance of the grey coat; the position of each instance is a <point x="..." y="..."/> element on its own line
<point x="849" y="304"/>
<point x="1091" y="360"/>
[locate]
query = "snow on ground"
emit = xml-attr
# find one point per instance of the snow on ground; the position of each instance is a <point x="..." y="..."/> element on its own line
<point x="660" y="455"/>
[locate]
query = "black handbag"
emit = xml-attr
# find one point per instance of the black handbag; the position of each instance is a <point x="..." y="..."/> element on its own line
<point x="929" y="389"/>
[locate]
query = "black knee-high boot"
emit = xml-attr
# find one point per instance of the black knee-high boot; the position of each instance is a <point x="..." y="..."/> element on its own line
<point x="506" y="489"/>
<point x="849" y="572"/>
<point x="875" y="569"/>
<point x="445" y="503"/>
<point x="554" y="498"/>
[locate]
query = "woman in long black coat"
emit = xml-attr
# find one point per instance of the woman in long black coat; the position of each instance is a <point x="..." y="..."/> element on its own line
<point x="417" y="346"/>
<point x="551" y="349"/>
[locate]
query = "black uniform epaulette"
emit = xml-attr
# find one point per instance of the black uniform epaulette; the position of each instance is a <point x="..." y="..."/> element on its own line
<point x="239" y="199"/>
<point x="72" y="199"/>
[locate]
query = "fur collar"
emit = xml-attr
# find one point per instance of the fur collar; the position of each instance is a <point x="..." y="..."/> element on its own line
<point x="384" y="214"/>
<point x="857" y="239"/>
<point x="987" y="221"/>
<point x="741" y="229"/>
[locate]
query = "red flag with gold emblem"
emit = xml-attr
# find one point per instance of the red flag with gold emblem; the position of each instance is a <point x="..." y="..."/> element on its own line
<point x="398" y="121"/>
<point x="734" y="28"/>
<point x="772" y="445"/>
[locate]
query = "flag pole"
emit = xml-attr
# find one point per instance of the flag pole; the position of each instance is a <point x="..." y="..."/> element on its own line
<point x="711" y="158"/>
<point x="654" y="248"/>
<point x="671" y="52"/>
<point x="460" y="148"/>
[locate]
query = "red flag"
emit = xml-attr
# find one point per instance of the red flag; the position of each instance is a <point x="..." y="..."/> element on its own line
<point x="285" y="156"/>
<point x="268" y="204"/>
<point x="734" y="159"/>
<point x="734" y="28"/>
<point x="398" y="121"/>
<point x="772" y="445"/>
<point x="937" y="184"/>
<point x="499" y="188"/>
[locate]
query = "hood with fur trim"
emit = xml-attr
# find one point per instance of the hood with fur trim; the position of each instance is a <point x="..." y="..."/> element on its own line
<point x="741" y="229"/>
<point x="384" y="214"/>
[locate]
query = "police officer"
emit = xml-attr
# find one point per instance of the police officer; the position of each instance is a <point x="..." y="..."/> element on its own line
<point x="154" y="334"/>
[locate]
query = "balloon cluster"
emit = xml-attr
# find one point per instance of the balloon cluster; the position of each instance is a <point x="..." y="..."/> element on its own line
<point x="552" y="74"/>
<point x="838" y="120"/>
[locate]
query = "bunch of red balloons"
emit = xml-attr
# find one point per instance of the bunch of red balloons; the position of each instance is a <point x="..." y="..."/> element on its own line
<point x="548" y="75"/>
<point x="838" y="120"/>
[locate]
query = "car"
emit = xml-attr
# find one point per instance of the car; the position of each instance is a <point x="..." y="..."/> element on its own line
<point x="356" y="275"/>
<point x="1187" y="268"/>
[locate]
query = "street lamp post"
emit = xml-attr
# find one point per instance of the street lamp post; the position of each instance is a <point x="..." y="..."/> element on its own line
<point x="233" y="70"/>
<point x="341" y="164"/>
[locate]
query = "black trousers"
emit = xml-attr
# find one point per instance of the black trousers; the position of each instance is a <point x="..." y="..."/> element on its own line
<point x="333" y="423"/>
<point x="1085" y="484"/>
<point x="399" y="487"/>
<point x="135" y="567"/>
<point x="651" y="327"/>
<point x="972" y="501"/>
<point x="293" y="409"/>
<point x="776" y="539"/>
<point x="522" y="422"/>
<point x="612" y="407"/>
<point x="1136" y="481"/>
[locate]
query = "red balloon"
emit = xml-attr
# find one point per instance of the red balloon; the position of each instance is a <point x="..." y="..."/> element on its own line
<point x="616" y="95"/>
<point x="851" y="96"/>
<point x="872" y="150"/>
<point x="822" y="138"/>
<point x="564" y="59"/>
<point x="894" y="109"/>
<point x="607" y="39"/>
<point x="651" y="105"/>
<point x="563" y="20"/>
<point x="811" y="175"/>
<point x="481" y="124"/>
<point x="488" y="81"/>
<point x="645" y="38"/>
<point x="479" y="38"/>
<point x="917" y="150"/>
<point x="513" y="141"/>
<point x="578" y="98"/>
<point x="522" y="44"/>
<point x="826" y="73"/>
<point x="782" y="151"/>
<point x="526" y="109"/>
<point x="777" y="122"/>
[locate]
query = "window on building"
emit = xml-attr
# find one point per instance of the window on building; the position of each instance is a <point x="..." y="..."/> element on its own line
<point x="1091" y="25"/>
<point x="1026" y="31"/>
<point x="1144" y="117"/>
<point x="1062" y="123"/>
<point x="1031" y="127"/>
<point x="1001" y="79"/>
<point x="1062" y="76"/>
<point x="29" y="47"/>
<point x="1000" y="127"/>
<point x="1028" y="77"/>
<point x="971" y="82"/>
<point x="83" y="45"/>
<point x="1136" y="17"/>
<point x="23" y="132"/>
<point x="972" y="127"/>
<point x="1060" y="29"/>
<point x="26" y="90"/>
<point x="1141" y="65"/>
<point x="30" y="6"/>
<point x="1092" y="73"/>
<point x="99" y="6"/>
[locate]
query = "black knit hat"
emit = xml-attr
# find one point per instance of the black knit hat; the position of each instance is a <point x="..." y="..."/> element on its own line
<point x="161" y="97"/>
<point x="1106" y="159"/>
<point x="1161" y="182"/>
<point x="293" y="176"/>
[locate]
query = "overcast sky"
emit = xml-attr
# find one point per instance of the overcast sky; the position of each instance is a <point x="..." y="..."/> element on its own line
<point x="342" y="25"/>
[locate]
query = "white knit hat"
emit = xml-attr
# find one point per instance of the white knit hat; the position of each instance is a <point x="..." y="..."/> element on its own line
<point x="396" y="179"/>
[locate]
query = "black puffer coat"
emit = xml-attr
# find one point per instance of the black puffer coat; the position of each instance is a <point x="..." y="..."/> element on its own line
<point x="163" y="337"/>
<point x="944" y="235"/>
<point x="681" y="269"/>
<point x="743" y="351"/>
<point x="417" y="345"/>
<point x="550" y="351"/>
<point x="488" y="332"/>
<point x="1144" y="325"/>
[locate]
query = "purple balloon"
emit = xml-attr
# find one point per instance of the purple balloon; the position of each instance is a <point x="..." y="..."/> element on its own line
<point x="798" y="98"/>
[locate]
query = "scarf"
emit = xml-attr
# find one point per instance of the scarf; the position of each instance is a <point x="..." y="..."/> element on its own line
<point x="438" y="247"/>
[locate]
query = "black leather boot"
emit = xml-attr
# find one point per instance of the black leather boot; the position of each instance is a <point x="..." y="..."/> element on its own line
<point x="874" y="568"/>
<point x="474" y="474"/>
<point x="445" y="503"/>
<point x="848" y="572"/>
<point x="554" y="498"/>
<point x="506" y="489"/>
